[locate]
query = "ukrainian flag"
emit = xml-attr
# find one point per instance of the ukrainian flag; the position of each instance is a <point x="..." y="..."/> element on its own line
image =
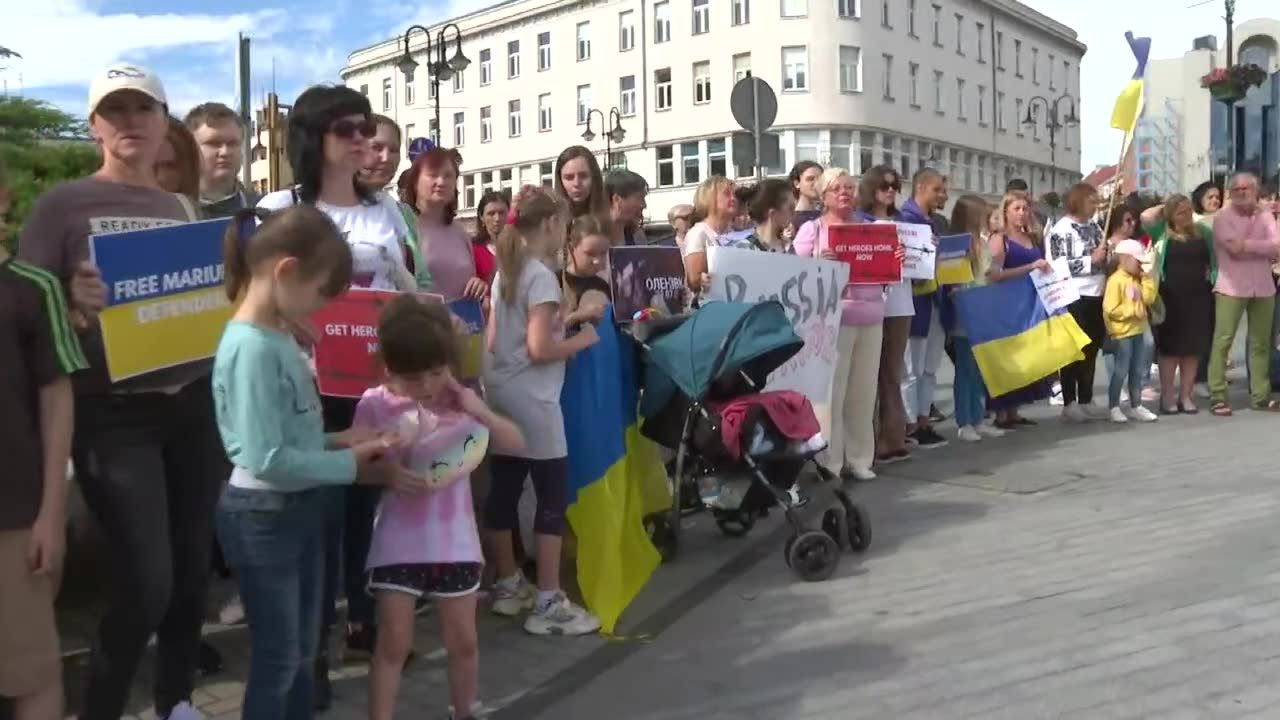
<point x="1128" y="106"/>
<point x="616" y="476"/>
<point x="1014" y="340"/>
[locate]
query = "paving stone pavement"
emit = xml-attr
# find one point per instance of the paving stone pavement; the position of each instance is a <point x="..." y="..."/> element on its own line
<point x="1091" y="572"/>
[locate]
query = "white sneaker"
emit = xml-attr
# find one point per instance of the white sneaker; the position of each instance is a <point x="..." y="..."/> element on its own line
<point x="1074" y="414"/>
<point x="1141" y="414"/>
<point x="862" y="474"/>
<point x="1056" y="397"/>
<point x="510" y="602"/>
<point x="969" y="434"/>
<point x="991" y="431"/>
<point x="1202" y="391"/>
<point x="232" y="613"/>
<point x="561" y="617"/>
<point x="1118" y="416"/>
<point x="1095" y="412"/>
<point x="184" y="711"/>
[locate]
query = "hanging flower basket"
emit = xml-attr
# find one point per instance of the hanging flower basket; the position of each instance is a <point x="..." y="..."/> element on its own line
<point x="1229" y="84"/>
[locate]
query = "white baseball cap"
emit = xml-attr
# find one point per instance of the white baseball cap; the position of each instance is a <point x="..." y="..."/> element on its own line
<point x="1130" y="247"/>
<point x="125" y="77"/>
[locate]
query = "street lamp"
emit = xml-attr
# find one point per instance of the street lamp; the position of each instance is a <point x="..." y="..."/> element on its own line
<point x="614" y="135"/>
<point x="1052" y="121"/>
<point x="438" y="69"/>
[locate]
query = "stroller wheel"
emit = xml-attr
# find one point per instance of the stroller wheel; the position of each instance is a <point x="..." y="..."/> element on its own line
<point x="857" y="522"/>
<point x="658" y="527"/>
<point x="814" y="556"/>
<point x="736" y="523"/>
<point x="834" y="524"/>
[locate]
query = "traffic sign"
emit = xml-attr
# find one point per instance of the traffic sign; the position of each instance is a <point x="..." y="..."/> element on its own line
<point x="418" y="146"/>
<point x="754" y="104"/>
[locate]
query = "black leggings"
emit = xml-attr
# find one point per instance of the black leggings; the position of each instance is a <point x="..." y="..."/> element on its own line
<point x="1077" y="378"/>
<point x="550" y="485"/>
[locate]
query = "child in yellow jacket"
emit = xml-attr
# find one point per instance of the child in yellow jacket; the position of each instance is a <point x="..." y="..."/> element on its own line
<point x="1129" y="294"/>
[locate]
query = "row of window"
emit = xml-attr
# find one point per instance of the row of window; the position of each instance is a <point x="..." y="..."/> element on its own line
<point x="741" y="15"/>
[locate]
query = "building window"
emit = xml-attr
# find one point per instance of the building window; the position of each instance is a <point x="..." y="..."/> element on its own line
<point x="701" y="16"/>
<point x="1052" y="60"/>
<point x="701" y="82"/>
<point x="741" y="66"/>
<point x="626" y="31"/>
<point x="486" y="67"/>
<point x="913" y="83"/>
<point x="1035" y="66"/>
<point x="458" y="83"/>
<point x="911" y="18"/>
<point x="408" y="92"/>
<point x="1017" y="57"/>
<point x="717" y="162"/>
<point x="661" y="22"/>
<point x="386" y="94"/>
<point x="795" y="69"/>
<point x="409" y="130"/>
<point x="808" y="145"/>
<point x="486" y="124"/>
<point x="960" y="113"/>
<point x="742" y="12"/>
<point x="544" y="51"/>
<point x="514" y="124"/>
<point x="982" y="105"/>
<point x="1000" y="122"/>
<point x="982" y="53"/>
<point x="1066" y="75"/>
<point x="1017" y="116"/>
<point x="959" y="34"/>
<point x="666" y="166"/>
<point x="938" y="105"/>
<point x="937" y="25"/>
<point x="459" y="129"/>
<point x="849" y="8"/>
<point x="627" y="95"/>
<point x="584" y="104"/>
<point x="888" y="77"/>
<point x="662" y="88"/>
<point x="584" y="41"/>
<point x="689" y="161"/>
<point x="433" y="131"/>
<point x="999" y="51"/>
<point x="469" y="195"/>
<point x="794" y="8"/>
<point x="364" y="90"/>
<point x="850" y="68"/>
<point x="544" y="112"/>
<point x="841" y="146"/>
<point x="513" y="59"/>
<point x="546" y="174"/>
<point x="884" y="15"/>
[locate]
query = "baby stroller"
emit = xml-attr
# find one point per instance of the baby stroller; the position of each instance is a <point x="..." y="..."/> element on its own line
<point x="693" y="367"/>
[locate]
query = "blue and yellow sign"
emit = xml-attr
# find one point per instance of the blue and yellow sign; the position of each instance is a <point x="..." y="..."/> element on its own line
<point x="165" y="301"/>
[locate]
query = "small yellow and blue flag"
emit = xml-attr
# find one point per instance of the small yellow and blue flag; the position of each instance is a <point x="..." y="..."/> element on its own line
<point x="1128" y="106"/>
<point x="1016" y="342"/>
<point x="616" y="476"/>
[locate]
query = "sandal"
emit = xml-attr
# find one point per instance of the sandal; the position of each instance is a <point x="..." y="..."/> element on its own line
<point x="1171" y="410"/>
<point x="1188" y="408"/>
<point x="1268" y="406"/>
<point x="1221" y="409"/>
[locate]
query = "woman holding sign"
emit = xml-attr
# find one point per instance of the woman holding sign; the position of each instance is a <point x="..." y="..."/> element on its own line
<point x="1015" y="252"/>
<point x="148" y="457"/>
<point x="850" y="427"/>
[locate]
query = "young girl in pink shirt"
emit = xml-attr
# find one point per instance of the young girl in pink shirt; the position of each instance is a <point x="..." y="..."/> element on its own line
<point x="426" y="544"/>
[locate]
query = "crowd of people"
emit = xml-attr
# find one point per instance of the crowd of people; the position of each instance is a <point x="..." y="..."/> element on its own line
<point x="240" y="462"/>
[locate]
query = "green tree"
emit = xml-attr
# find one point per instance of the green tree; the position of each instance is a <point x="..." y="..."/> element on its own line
<point x="40" y="146"/>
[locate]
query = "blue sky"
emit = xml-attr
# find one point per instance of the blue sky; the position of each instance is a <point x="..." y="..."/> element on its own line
<point x="193" y="48"/>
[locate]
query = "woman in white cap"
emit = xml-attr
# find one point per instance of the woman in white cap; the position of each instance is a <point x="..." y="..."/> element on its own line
<point x="147" y="453"/>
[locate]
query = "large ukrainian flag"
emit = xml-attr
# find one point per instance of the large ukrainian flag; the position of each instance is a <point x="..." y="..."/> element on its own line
<point x="616" y="476"/>
<point x="1014" y="340"/>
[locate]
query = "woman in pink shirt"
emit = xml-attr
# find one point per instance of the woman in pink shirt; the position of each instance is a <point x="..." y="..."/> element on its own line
<point x="849" y="426"/>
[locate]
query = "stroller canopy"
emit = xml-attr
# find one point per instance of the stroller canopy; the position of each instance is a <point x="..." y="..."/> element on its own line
<point x="719" y="338"/>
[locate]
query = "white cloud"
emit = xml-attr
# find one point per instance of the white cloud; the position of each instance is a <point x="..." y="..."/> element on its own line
<point x="1108" y="64"/>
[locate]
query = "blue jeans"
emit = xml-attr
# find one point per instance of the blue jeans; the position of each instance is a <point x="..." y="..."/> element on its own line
<point x="1148" y="349"/>
<point x="970" y="393"/>
<point x="1130" y="358"/>
<point x="274" y="541"/>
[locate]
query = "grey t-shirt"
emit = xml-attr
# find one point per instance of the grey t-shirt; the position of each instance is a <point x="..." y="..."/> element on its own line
<point x="527" y="393"/>
<point x="56" y="238"/>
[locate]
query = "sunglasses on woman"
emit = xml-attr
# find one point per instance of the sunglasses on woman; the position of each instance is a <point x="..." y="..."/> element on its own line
<point x="888" y="185"/>
<point x="347" y="129"/>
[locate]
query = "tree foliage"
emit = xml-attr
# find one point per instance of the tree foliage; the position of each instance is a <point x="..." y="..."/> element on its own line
<point x="40" y="146"/>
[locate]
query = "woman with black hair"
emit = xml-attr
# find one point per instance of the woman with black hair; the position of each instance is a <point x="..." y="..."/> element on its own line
<point x="491" y="215"/>
<point x="329" y="134"/>
<point x="1206" y="200"/>
<point x="804" y="185"/>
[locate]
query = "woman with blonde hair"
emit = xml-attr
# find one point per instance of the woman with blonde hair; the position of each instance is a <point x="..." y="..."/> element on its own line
<point x="1015" y="252"/>
<point x="972" y="215"/>
<point x="849" y="425"/>
<point x="714" y="207"/>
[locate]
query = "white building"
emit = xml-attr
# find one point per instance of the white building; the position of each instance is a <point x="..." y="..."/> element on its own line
<point x="1182" y="139"/>
<point x="945" y="83"/>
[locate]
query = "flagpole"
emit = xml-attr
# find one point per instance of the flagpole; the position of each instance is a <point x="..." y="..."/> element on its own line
<point x="1111" y="203"/>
